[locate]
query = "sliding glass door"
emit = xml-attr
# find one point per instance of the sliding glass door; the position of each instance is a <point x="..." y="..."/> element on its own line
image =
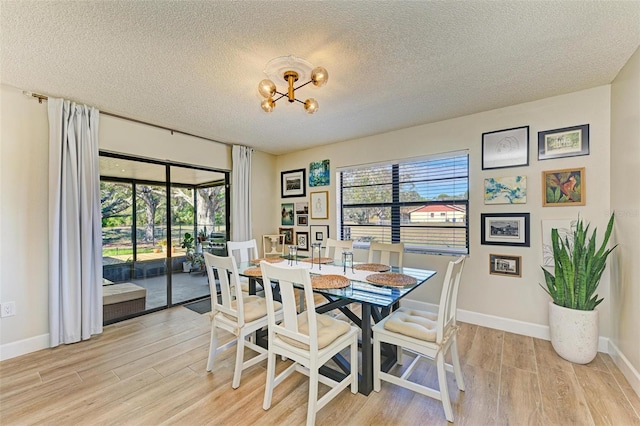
<point x="157" y="221"/>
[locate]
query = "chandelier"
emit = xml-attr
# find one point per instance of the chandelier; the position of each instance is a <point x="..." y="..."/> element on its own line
<point x="291" y="69"/>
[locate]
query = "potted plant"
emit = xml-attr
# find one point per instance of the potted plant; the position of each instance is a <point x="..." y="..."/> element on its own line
<point x="187" y="243"/>
<point x="196" y="261"/>
<point x="573" y="319"/>
<point x="202" y="235"/>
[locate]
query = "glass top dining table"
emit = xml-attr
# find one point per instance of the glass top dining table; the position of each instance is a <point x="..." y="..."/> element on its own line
<point x="376" y="302"/>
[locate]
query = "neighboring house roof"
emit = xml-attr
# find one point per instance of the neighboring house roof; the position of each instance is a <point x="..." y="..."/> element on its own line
<point x="439" y="208"/>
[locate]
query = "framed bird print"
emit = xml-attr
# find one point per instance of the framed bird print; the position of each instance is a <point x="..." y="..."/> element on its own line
<point x="566" y="187"/>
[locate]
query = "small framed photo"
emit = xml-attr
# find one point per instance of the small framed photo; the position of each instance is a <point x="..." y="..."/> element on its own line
<point x="565" y="142"/>
<point x="288" y="234"/>
<point x="507" y="265"/>
<point x="287" y="214"/>
<point x="505" y="229"/>
<point x="302" y="220"/>
<point x="302" y="207"/>
<point x="302" y="240"/>
<point x="505" y="148"/>
<point x="320" y="205"/>
<point x="292" y="183"/>
<point x="565" y="187"/>
<point x="319" y="234"/>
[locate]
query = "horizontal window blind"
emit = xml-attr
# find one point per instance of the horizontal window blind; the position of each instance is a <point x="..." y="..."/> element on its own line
<point x="422" y="203"/>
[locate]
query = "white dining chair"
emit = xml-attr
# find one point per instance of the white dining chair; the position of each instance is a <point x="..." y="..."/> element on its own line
<point x="334" y="248"/>
<point x="308" y="339"/>
<point x="427" y="335"/>
<point x="236" y="313"/>
<point x="382" y="253"/>
<point x="273" y="245"/>
<point x="243" y="251"/>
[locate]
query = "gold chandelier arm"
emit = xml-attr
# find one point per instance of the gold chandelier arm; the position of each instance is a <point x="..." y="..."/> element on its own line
<point x="302" y="85"/>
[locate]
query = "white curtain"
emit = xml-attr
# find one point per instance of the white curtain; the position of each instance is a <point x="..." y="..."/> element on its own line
<point x="75" y="239"/>
<point x="241" y="194"/>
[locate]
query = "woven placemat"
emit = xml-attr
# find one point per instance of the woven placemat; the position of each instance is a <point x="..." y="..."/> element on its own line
<point x="319" y="260"/>
<point x="373" y="267"/>
<point x="329" y="281"/>
<point x="391" y="279"/>
<point x="253" y="272"/>
<point x="268" y="259"/>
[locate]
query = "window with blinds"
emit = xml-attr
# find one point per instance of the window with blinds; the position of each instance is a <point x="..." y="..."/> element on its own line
<point x="423" y="203"/>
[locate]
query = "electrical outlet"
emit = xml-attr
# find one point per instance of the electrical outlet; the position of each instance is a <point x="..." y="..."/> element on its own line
<point x="8" y="309"/>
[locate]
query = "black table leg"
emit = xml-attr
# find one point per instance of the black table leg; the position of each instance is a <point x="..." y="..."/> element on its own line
<point x="366" y="379"/>
<point x="252" y="285"/>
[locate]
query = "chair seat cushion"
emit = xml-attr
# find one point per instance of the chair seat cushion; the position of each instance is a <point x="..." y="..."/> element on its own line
<point x="413" y="323"/>
<point x="329" y="329"/>
<point x="255" y="307"/>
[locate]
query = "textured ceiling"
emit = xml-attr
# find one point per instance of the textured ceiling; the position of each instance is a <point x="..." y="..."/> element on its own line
<point x="195" y="66"/>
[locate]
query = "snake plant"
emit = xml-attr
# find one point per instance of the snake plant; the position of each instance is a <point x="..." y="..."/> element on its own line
<point x="578" y="268"/>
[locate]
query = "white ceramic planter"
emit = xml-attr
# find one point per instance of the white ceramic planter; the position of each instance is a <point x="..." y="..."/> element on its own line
<point x="574" y="333"/>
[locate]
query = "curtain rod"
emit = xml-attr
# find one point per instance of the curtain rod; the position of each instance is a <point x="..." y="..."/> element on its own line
<point x="44" y="98"/>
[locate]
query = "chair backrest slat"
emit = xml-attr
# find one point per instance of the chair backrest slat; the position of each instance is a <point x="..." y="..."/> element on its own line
<point x="449" y="298"/>
<point x="287" y="279"/>
<point x="228" y="279"/>
<point x="334" y="248"/>
<point x="243" y="251"/>
<point x="273" y="245"/>
<point x="381" y="253"/>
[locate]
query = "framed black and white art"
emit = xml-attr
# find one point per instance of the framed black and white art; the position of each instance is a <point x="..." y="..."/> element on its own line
<point x="505" y="148"/>
<point x="293" y="183"/>
<point x="505" y="229"/>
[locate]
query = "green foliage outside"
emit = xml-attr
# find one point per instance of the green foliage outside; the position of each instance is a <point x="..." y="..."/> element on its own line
<point x="151" y="209"/>
<point x="578" y="268"/>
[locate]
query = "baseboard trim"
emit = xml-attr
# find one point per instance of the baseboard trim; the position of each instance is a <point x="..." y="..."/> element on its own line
<point x="499" y="323"/>
<point x="23" y="347"/>
<point x="630" y="373"/>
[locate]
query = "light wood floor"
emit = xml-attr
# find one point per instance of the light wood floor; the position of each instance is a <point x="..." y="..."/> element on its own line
<point x="151" y="370"/>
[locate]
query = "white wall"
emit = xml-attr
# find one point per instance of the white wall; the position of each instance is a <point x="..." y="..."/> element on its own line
<point x="24" y="220"/>
<point x="519" y="301"/>
<point x="625" y="200"/>
<point x="23" y="197"/>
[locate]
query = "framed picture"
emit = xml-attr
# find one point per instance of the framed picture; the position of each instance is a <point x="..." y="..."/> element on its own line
<point x="303" y="220"/>
<point x="287" y="214"/>
<point x="566" y="187"/>
<point x="505" y="148"/>
<point x="319" y="173"/>
<point x="319" y="234"/>
<point x="505" y="190"/>
<point x="288" y="234"/>
<point x="566" y="228"/>
<point x="302" y="207"/>
<point x="505" y="229"/>
<point x="302" y="240"/>
<point x="565" y="142"/>
<point x="320" y="205"/>
<point x="292" y="183"/>
<point x="502" y="264"/>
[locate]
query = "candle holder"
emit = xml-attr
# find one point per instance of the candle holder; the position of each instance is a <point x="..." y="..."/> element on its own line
<point x="315" y="248"/>
<point x="293" y="255"/>
<point x="347" y="261"/>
